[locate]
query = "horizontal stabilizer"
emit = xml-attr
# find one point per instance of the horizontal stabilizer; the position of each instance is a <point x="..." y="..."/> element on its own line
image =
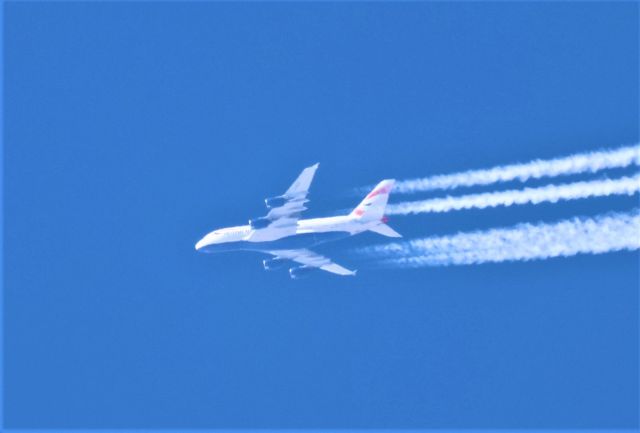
<point x="385" y="230"/>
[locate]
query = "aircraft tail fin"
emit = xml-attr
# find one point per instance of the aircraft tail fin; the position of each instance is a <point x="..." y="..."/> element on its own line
<point x="373" y="206"/>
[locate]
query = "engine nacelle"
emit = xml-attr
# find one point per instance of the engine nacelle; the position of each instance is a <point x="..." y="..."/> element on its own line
<point x="301" y="272"/>
<point x="273" y="264"/>
<point x="272" y="202"/>
<point x="259" y="223"/>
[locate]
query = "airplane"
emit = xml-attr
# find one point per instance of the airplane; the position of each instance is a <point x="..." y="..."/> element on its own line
<point x="286" y="237"/>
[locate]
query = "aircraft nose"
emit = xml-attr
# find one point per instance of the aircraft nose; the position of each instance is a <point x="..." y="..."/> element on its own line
<point x="201" y="243"/>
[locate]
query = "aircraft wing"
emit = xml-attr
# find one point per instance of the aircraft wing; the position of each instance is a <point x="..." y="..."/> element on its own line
<point x="310" y="259"/>
<point x="286" y="209"/>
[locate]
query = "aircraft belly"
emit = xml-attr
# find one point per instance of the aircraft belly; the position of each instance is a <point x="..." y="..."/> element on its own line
<point x="297" y="241"/>
<point x="303" y="240"/>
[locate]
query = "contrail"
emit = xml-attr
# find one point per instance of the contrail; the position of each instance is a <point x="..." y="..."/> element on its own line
<point x="573" y="164"/>
<point x="549" y="193"/>
<point x="602" y="234"/>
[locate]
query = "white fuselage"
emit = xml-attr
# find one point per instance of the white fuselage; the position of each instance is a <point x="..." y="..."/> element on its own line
<point x="301" y="233"/>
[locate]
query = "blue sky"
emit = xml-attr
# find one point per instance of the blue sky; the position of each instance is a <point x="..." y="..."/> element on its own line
<point x="131" y="129"/>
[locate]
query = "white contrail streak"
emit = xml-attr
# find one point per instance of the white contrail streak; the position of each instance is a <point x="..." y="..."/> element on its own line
<point x="573" y="164"/>
<point x="549" y="193"/>
<point x="602" y="234"/>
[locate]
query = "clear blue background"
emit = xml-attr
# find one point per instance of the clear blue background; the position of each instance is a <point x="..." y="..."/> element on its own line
<point x="131" y="129"/>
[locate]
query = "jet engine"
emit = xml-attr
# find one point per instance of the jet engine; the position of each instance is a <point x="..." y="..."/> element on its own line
<point x="259" y="223"/>
<point x="301" y="272"/>
<point x="272" y="202"/>
<point x="273" y="264"/>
